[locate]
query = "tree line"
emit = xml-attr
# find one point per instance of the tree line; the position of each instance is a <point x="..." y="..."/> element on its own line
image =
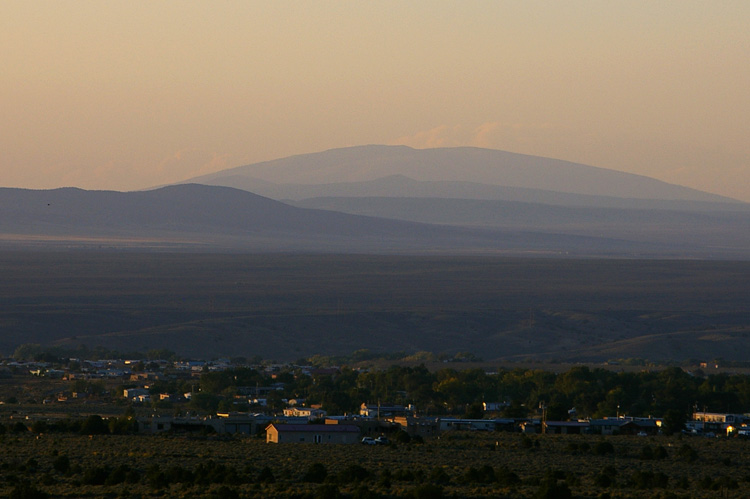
<point x="593" y="393"/>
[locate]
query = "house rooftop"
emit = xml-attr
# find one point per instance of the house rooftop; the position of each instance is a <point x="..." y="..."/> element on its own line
<point x="284" y="428"/>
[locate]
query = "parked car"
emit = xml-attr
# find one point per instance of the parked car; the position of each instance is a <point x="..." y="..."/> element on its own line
<point x="369" y="441"/>
<point x="382" y="441"/>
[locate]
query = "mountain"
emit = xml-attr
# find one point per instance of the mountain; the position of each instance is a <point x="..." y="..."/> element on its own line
<point x="405" y="187"/>
<point x="209" y="218"/>
<point x="691" y="226"/>
<point x="499" y="191"/>
<point x="394" y="165"/>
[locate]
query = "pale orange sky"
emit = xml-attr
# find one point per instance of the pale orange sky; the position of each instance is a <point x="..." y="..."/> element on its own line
<point x="126" y="95"/>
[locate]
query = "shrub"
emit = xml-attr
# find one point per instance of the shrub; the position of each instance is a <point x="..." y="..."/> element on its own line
<point x="485" y="474"/>
<point x="225" y="492"/>
<point x="118" y="475"/>
<point x="266" y="475"/>
<point x="385" y="479"/>
<point x="353" y="473"/>
<point x="19" y="427"/>
<point x="316" y="473"/>
<point x="402" y="437"/>
<point x="551" y="488"/>
<point x="603" y="480"/>
<point x="24" y="490"/>
<point x="39" y="427"/>
<point x="327" y="491"/>
<point x="526" y="442"/>
<point x="438" y="475"/>
<point x="687" y="454"/>
<point x="648" y="480"/>
<point x="61" y="464"/>
<point x="364" y="492"/>
<point x="603" y="447"/>
<point x="96" y="475"/>
<point x="426" y="491"/>
<point x="506" y="478"/>
<point x="94" y="425"/>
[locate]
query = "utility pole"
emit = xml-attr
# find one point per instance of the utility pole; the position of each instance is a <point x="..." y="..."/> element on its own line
<point x="543" y="407"/>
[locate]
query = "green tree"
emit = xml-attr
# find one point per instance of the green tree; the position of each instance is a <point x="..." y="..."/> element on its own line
<point x="94" y="425"/>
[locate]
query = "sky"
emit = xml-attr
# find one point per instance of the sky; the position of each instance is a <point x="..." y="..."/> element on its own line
<point x="126" y="95"/>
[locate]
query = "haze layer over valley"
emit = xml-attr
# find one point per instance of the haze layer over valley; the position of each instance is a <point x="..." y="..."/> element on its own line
<point x="507" y="256"/>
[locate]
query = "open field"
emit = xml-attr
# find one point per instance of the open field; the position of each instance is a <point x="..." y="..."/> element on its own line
<point x="290" y="306"/>
<point x="182" y="466"/>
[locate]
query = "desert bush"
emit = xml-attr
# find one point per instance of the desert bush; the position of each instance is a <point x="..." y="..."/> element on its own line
<point x="266" y="475"/>
<point x="439" y="475"/>
<point x="24" y="490"/>
<point x="19" y="427"/>
<point x="39" y="427"/>
<point x="327" y="491"/>
<point x="316" y="473"/>
<point x="61" y="464"/>
<point x="426" y="491"/>
<point x="178" y="474"/>
<point x="721" y="482"/>
<point x="96" y="475"/>
<point x="603" y="480"/>
<point x="687" y="454"/>
<point x="648" y="480"/>
<point x="526" y="442"/>
<point x="352" y="473"/>
<point x="401" y="437"/>
<point x="485" y="474"/>
<point x="602" y="448"/>
<point x="117" y="475"/>
<point x="94" y="425"/>
<point x="552" y="488"/>
<point x="364" y="492"/>
<point x="385" y="479"/>
<point x="506" y="478"/>
<point x="156" y="478"/>
<point x="403" y="475"/>
<point x="225" y="492"/>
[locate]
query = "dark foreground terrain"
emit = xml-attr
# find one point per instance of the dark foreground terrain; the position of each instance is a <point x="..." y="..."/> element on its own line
<point x="291" y="306"/>
<point x="459" y="464"/>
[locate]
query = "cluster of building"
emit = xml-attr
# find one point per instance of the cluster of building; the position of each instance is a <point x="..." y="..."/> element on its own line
<point x="298" y="427"/>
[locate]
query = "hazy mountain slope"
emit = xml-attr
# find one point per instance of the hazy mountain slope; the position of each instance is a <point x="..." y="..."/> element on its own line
<point x="181" y="209"/>
<point x="402" y="186"/>
<point x="219" y="217"/>
<point x="710" y="228"/>
<point x="460" y="164"/>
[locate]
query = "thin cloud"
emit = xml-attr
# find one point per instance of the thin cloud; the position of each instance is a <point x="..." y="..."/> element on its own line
<point x="491" y="134"/>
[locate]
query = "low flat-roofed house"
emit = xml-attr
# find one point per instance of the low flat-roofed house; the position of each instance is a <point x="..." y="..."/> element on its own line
<point x="565" y="427"/>
<point x="716" y="417"/>
<point x="312" y="433"/>
<point x="304" y="412"/>
<point x="466" y="424"/>
<point x="612" y="426"/>
<point x="382" y="411"/>
<point x="417" y="426"/>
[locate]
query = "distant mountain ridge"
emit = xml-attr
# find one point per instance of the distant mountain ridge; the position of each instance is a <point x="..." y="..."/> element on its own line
<point x="459" y="164"/>
<point x="199" y="218"/>
<point x="395" y="199"/>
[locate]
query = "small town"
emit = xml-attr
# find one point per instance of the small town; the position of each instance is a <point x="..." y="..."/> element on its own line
<point x="188" y="396"/>
<point x="406" y="412"/>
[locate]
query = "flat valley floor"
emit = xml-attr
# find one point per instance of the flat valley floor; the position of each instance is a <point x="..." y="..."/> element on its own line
<point x="290" y="306"/>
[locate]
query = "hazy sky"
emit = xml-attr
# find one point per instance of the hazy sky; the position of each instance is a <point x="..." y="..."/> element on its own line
<point x="125" y="95"/>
